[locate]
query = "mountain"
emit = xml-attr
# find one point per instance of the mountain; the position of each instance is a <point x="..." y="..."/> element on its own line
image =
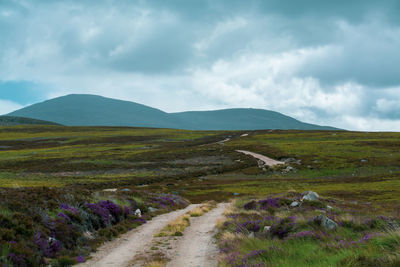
<point x="92" y="110"/>
<point x="12" y="120"/>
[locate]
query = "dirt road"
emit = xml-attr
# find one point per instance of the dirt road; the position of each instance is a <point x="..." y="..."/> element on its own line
<point x="268" y="161"/>
<point x="120" y="251"/>
<point x="198" y="247"/>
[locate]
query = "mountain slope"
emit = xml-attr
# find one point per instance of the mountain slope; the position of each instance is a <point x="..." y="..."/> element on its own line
<point x="12" y="120"/>
<point x="92" y="110"/>
<point x="242" y="119"/>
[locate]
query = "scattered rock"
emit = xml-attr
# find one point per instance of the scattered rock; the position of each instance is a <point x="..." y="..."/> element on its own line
<point x="288" y="169"/>
<point x="88" y="235"/>
<point x="266" y="229"/>
<point x="309" y="166"/>
<point x="251" y="235"/>
<point x="110" y="190"/>
<point x="294" y="204"/>
<point x="244" y="135"/>
<point x="236" y="194"/>
<point x="364" y="160"/>
<point x="310" y="195"/>
<point x="138" y="213"/>
<point x="326" y="222"/>
<point x="291" y="160"/>
<point x="329" y="207"/>
<point x="126" y="190"/>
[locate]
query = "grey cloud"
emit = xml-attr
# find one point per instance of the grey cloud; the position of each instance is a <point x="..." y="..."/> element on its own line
<point x="76" y="43"/>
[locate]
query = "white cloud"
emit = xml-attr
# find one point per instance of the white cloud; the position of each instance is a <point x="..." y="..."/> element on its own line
<point x="7" y="106"/>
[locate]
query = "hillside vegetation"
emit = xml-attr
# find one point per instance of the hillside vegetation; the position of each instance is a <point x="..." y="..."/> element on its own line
<point x="12" y="120"/>
<point x="92" y="110"/>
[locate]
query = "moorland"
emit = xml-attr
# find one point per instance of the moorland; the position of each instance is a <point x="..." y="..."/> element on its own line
<point x="53" y="180"/>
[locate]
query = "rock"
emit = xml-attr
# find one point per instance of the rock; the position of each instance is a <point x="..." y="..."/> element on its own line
<point x="266" y="229"/>
<point x="138" y="213"/>
<point x="110" y="190"/>
<point x="289" y="169"/>
<point x="291" y="160"/>
<point x="364" y="160"/>
<point x="309" y="166"/>
<point x="251" y="235"/>
<point x="151" y="209"/>
<point x="88" y="235"/>
<point x="294" y="204"/>
<point x="126" y="190"/>
<point x="244" y="135"/>
<point x="329" y="207"/>
<point x="326" y="222"/>
<point x="310" y="195"/>
<point x="236" y="194"/>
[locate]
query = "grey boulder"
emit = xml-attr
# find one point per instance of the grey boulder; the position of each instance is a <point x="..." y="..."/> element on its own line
<point x="310" y="195"/>
<point x="326" y="222"/>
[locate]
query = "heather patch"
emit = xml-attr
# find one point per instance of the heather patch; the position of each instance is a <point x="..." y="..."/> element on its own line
<point x="324" y="232"/>
<point x="61" y="227"/>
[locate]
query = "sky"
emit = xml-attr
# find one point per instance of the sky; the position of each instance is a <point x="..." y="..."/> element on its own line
<point x="326" y="62"/>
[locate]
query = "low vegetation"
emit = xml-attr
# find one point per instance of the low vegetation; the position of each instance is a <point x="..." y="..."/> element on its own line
<point x="42" y="226"/>
<point x="44" y="167"/>
<point x="204" y="208"/>
<point x="284" y="230"/>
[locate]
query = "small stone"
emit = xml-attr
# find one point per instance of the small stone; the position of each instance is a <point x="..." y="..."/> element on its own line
<point x="126" y="190"/>
<point x="329" y="207"/>
<point x="138" y="213"/>
<point x="236" y="194"/>
<point x="310" y="195"/>
<point x="110" y="190"/>
<point x="251" y="235"/>
<point x="326" y="222"/>
<point x="88" y="235"/>
<point x="266" y="229"/>
<point x="364" y="160"/>
<point x="294" y="204"/>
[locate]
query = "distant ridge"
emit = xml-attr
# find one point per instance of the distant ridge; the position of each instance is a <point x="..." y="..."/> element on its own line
<point x="12" y="120"/>
<point x="93" y="110"/>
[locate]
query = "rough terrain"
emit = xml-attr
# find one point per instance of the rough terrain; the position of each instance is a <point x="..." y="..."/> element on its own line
<point x="120" y="251"/>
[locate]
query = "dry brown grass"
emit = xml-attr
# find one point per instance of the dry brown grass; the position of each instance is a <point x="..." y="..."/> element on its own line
<point x="204" y="208"/>
<point x="155" y="264"/>
<point x="176" y="227"/>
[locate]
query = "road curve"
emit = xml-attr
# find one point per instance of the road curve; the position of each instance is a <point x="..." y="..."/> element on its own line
<point x="268" y="161"/>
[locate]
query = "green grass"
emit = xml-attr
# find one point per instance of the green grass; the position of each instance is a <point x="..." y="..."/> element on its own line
<point x="362" y="236"/>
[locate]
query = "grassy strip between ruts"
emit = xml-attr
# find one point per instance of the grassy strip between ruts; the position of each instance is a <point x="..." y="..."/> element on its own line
<point x="178" y="226"/>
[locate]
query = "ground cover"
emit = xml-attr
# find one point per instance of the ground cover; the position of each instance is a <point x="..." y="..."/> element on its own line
<point x="284" y="230"/>
<point x="46" y="162"/>
<point x="42" y="226"/>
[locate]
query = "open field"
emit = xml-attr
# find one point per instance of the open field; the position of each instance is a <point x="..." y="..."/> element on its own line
<point x="42" y="167"/>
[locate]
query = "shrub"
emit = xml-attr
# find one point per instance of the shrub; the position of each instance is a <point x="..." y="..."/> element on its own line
<point x="283" y="227"/>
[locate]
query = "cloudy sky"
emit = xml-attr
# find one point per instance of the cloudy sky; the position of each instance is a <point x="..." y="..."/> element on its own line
<point x="326" y="62"/>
